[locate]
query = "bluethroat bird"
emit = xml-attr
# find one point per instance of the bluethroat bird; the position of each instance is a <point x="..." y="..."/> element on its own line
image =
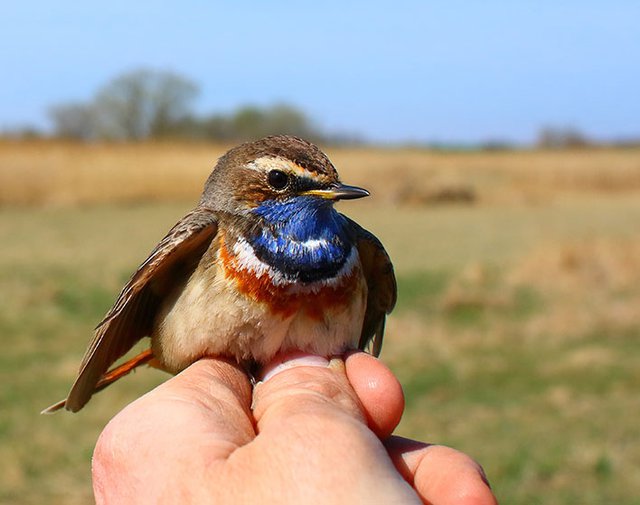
<point x="264" y="264"/>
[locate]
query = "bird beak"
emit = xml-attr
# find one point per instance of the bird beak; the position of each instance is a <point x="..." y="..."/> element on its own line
<point x="339" y="192"/>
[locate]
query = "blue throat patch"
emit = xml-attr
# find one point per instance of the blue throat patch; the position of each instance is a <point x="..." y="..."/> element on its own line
<point x="304" y="238"/>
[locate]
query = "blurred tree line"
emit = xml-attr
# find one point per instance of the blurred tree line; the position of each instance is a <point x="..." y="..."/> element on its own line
<point x="554" y="137"/>
<point x="151" y="104"/>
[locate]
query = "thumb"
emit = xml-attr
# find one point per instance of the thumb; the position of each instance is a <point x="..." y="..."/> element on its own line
<point x="303" y="388"/>
<point x="311" y="427"/>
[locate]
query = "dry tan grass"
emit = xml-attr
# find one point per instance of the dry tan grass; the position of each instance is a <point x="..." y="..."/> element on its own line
<point x="59" y="173"/>
<point x="585" y="286"/>
<point x="588" y="285"/>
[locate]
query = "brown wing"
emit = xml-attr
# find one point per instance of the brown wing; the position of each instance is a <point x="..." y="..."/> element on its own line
<point x="381" y="285"/>
<point x="132" y="314"/>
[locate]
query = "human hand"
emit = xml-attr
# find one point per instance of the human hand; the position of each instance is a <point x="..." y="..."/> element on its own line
<point x="310" y="433"/>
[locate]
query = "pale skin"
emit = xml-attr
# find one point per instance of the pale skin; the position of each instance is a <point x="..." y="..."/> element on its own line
<point x="312" y="431"/>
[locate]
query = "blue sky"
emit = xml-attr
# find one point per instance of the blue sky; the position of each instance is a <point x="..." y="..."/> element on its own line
<point x="448" y="71"/>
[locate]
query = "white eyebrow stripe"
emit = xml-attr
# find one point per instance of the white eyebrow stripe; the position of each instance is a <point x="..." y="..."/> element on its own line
<point x="266" y="163"/>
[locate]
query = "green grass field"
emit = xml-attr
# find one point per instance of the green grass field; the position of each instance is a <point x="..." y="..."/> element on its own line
<point x="516" y="337"/>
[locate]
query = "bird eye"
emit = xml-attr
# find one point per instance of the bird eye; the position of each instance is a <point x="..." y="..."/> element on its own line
<point x="278" y="179"/>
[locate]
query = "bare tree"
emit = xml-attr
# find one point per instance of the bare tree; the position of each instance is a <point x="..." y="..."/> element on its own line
<point x="143" y="104"/>
<point x="74" y="120"/>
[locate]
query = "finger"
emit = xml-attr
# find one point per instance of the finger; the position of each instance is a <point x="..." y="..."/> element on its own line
<point x="217" y="392"/>
<point x="379" y="392"/>
<point x="193" y="420"/>
<point x="311" y="429"/>
<point x="440" y="475"/>
<point x="303" y="384"/>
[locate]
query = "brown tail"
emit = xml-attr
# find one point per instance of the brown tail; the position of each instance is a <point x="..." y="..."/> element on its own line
<point x="110" y="377"/>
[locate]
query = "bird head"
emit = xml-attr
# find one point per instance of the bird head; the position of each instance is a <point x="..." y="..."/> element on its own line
<point x="274" y="169"/>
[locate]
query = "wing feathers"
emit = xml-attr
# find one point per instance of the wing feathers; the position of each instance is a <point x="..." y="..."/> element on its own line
<point x="381" y="285"/>
<point x="131" y="316"/>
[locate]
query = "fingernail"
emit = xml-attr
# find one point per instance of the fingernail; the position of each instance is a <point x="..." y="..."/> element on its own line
<point x="291" y="360"/>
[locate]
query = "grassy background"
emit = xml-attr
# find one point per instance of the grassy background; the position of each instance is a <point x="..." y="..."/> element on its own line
<point x="516" y="335"/>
